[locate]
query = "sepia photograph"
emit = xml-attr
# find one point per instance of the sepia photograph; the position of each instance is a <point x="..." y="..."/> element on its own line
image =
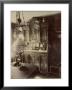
<point x="35" y="44"/>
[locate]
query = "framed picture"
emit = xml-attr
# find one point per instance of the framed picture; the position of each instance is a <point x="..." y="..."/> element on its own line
<point x="34" y="39"/>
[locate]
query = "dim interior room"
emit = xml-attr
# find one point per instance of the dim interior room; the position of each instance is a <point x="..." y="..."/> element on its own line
<point x="39" y="28"/>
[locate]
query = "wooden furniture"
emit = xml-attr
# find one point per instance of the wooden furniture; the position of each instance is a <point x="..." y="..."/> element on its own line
<point x="38" y="58"/>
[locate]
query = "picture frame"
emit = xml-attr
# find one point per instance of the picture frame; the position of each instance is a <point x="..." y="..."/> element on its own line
<point x="2" y="3"/>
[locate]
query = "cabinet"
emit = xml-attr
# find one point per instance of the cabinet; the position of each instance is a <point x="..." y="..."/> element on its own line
<point x="40" y="59"/>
